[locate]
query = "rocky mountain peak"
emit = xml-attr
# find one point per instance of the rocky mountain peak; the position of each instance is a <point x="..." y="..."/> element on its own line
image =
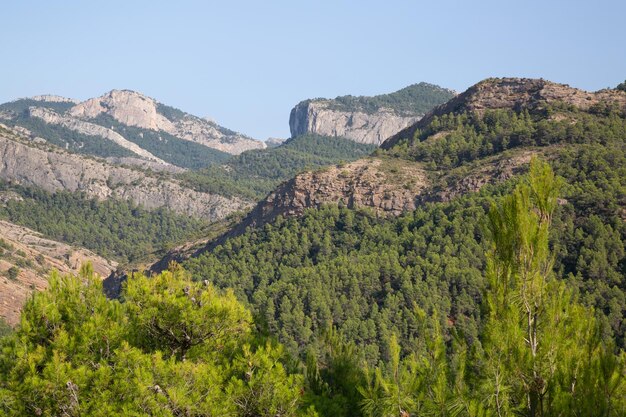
<point x="520" y="93"/>
<point x="127" y="107"/>
<point x="516" y="94"/>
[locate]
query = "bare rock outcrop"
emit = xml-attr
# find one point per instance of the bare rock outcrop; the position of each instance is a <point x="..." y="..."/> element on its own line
<point x="366" y="119"/>
<point x="320" y="118"/>
<point x="134" y="109"/>
<point x="388" y="186"/>
<point x="51" y="98"/>
<point x="52" y="169"/>
<point x="91" y="129"/>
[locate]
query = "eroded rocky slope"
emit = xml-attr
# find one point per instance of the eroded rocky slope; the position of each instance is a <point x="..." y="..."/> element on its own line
<point x="50" y="168"/>
<point x="134" y="109"/>
<point x="26" y="259"/>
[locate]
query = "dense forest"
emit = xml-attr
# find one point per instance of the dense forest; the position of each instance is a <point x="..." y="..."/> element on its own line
<point x="114" y="229"/>
<point x="255" y="173"/>
<point x="177" y="346"/>
<point x="362" y="273"/>
<point x="414" y="99"/>
<point x="452" y="139"/>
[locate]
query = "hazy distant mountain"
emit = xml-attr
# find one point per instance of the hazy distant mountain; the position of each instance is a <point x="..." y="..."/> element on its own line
<point x="126" y="124"/>
<point x="27" y="162"/>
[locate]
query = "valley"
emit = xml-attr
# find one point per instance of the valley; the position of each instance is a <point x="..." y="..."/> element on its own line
<point x="344" y="278"/>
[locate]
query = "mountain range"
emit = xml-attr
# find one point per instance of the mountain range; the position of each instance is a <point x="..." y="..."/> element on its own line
<point x="416" y="252"/>
<point x="125" y="146"/>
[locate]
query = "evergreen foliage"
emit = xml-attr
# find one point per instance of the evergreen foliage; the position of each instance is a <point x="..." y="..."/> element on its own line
<point x="539" y="352"/>
<point x="412" y="100"/>
<point x="454" y="139"/>
<point x="179" y="152"/>
<point x="77" y="353"/>
<point x="5" y="329"/>
<point x="255" y="173"/>
<point x="114" y="229"/>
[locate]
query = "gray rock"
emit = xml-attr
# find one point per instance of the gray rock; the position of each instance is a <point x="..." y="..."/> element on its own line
<point x="134" y="109"/>
<point x="53" y="169"/>
<point x="320" y="118"/>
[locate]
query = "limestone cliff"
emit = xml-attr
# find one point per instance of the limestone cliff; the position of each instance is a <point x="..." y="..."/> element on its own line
<point x="134" y="109"/>
<point x="368" y="120"/>
<point x="41" y="165"/>
<point x="320" y="118"/>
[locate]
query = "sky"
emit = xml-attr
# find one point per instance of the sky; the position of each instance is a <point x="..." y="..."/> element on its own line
<point x="245" y="64"/>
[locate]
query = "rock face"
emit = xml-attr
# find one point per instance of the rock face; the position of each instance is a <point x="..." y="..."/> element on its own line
<point x="54" y="99"/>
<point x="134" y="109"/>
<point x="515" y="94"/>
<point x="34" y="257"/>
<point x="91" y="129"/>
<point x="273" y="142"/>
<point x="127" y="107"/>
<point x="318" y="117"/>
<point x="53" y="169"/>
<point x="363" y="119"/>
<point x="390" y="187"/>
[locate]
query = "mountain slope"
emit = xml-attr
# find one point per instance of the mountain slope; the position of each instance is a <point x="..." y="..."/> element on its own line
<point x="514" y="94"/>
<point x="126" y="124"/>
<point x="308" y="264"/>
<point x="366" y="119"/>
<point x="26" y="258"/>
<point x="253" y="174"/>
<point x="25" y="162"/>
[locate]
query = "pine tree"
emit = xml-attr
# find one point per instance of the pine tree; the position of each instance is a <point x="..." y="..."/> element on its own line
<point x="538" y="340"/>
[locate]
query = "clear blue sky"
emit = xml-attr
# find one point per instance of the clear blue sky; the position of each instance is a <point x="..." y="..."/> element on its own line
<point x="246" y="63"/>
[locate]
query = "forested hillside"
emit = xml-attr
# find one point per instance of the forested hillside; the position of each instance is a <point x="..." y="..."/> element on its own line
<point x="177" y="347"/>
<point x="114" y="229"/>
<point x="255" y="173"/>
<point x="415" y="99"/>
<point x="501" y="293"/>
<point x="433" y="257"/>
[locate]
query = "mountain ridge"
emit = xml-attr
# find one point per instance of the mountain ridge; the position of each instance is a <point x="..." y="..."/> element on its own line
<point x="512" y="93"/>
<point x="344" y="184"/>
<point x="52" y="169"/>
<point x="126" y="123"/>
<point x="365" y="119"/>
